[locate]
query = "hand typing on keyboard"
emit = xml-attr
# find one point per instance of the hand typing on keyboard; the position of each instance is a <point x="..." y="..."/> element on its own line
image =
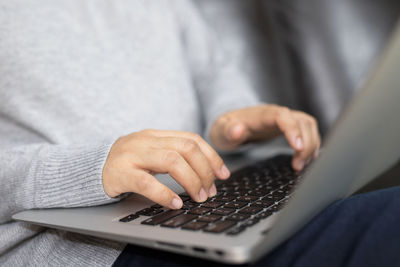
<point x="190" y="160"/>
<point x="252" y="194"/>
<point x="264" y="122"/>
<point x="194" y="164"/>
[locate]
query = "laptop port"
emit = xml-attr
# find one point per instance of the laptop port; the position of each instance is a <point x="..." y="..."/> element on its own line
<point x="198" y="249"/>
<point x="220" y="253"/>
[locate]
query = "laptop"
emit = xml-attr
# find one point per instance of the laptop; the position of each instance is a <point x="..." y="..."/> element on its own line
<point x="265" y="202"/>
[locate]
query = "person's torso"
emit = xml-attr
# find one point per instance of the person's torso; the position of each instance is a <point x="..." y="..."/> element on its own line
<point x="74" y="71"/>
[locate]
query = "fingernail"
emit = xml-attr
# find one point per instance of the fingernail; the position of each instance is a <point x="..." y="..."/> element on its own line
<point x="225" y="172"/>
<point x="316" y="153"/>
<point x="299" y="143"/>
<point x="202" y="195"/>
<point x="177" y="203"/>
<point x="213" y="191"/>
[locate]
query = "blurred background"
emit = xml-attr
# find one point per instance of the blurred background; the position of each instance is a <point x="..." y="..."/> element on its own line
<point x="311" y="55"/>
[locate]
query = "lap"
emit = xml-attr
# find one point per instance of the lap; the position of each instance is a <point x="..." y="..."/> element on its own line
<point x="359" y="231"/>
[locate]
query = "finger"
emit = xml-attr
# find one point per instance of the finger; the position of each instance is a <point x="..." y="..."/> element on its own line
<point x="192" y="153"/>
<point x="227" y="134"/>
<point x="317" y="139"/>
<point x="143" y="183"/>
<point x="235" y="132"/>
<point x="170" y="161"/>
<point x="291" y="129"/>
<point x="301" y="158"/>
<point x="216" y="162"/>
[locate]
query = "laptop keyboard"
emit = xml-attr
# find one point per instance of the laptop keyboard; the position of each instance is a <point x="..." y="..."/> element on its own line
<point x="251" y="194"/>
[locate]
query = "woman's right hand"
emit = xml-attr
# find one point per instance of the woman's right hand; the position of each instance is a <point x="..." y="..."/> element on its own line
<point x="191" y="161"/>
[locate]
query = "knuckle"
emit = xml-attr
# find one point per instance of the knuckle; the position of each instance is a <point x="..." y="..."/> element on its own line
<point x="142" y="183"/>
<point x="284" y="111"/>
<point x="273" y="107"/>
<point x="306" y="123"/>
<point x="196" y="137"/>
<point x="189" y="146"/>
<point x="313" y="120"/>
<point x="172" y="157"/>
<point x="283" y="114"/>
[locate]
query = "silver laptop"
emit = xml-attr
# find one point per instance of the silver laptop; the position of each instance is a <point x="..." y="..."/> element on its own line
<point x="265" y="203"/>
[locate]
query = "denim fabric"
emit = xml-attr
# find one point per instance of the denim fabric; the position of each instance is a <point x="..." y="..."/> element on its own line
<point x="362" y="230"/>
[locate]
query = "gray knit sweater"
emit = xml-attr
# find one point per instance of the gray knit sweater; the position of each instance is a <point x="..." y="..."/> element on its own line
<point x="74" y="76"/>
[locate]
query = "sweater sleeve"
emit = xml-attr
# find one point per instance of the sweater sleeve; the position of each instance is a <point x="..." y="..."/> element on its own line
<point x="220" y="83"/>
<point x="48" y="176"/>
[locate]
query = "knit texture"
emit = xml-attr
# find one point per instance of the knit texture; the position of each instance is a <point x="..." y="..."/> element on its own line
<point x="75" y="76"/>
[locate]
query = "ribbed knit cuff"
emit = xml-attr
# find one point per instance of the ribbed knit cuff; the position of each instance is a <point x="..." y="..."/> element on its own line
<point x="70" y="176"/>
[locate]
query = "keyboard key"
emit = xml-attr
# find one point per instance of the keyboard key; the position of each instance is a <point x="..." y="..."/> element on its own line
<point x="154" y="212"/>
<point x="247" y="198"/>
<point x="213" y="204"/>
<point x="179" y="220"/>
<point x="240" y="192"/>
<point x="210" y="218"/>
<point x="276" y="183"/>
<point x="184" y="194"/>
<point x="129" y="218"/>
<point x="226" y="187"/>
<point x="250" y="222"/>
<point x="235" y="205"/>
<point x="160" y="218"/>
<point x="250" y="210"/>
<point x="185" y="207"/>
<point x="149" y="212"/>
<point x="258" y="193"/>
<point x="144" y="211"/>
<point x="223" y="211"/>
<point x="263" y="215"/>
<point x="273" y="208"/>
<point x="225" y="198"/>
<point x="185" y="198"/>
<point x="192" y="202"/>
<point x="194" y="225"/>
<point x="278" y="195"/>
<point x="199" y="210"/>
<point x="266" y="188"/>
<point x="237" y="217"/>
<point x="156" y="206"/>
<point x="189" y="205"/>
<point x="281" y="204"/>
<point x="263" y="203"/>
<point x="219" y="226"/>
<point x="236" y="230"/>
<point x="268" y="199"/>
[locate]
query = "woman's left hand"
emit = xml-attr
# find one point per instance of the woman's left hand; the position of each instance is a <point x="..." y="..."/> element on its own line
<point x="264" y="122"/>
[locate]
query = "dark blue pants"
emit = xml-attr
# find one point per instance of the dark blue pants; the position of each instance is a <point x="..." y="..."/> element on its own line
<point x="363" y="230"/>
